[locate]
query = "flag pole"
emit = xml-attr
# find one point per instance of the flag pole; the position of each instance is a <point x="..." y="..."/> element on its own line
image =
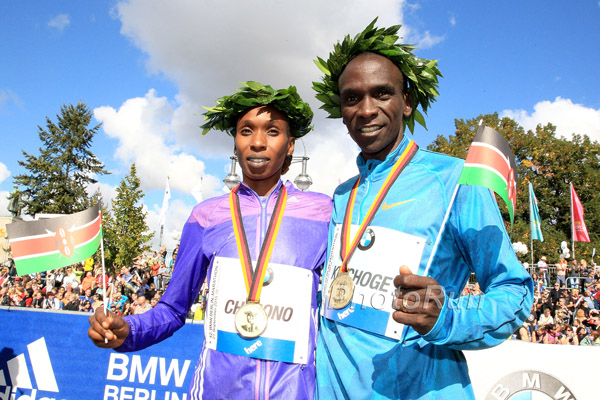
<point x="572" y="222"/>
<point x="104" y="305"/>
<point x="532" y="250"/>
<point x="437" y="239"/>
<point x="530" y="226"/>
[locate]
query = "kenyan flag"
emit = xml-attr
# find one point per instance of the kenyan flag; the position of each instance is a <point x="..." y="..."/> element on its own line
<point x="53" y="243"/>
<point x="491" y="163"/>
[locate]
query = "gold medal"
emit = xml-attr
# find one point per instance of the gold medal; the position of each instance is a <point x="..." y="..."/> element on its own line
<point x="251" y="320"/>
<point x="341" y="291"/>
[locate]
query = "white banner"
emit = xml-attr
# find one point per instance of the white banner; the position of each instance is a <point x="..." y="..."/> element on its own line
<point x="373" y="272"/>
<point x="517" y="370"/>
<point x="286" y="298"/>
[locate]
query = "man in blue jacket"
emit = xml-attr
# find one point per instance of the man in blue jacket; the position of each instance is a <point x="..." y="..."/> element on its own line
<point x="390" y="326"/>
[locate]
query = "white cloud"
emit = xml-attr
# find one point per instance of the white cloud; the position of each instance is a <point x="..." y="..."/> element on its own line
<point x="332" y="158"/>
<point x="4" y="172"/>
<point x="568" y="117"/>
<point x="206" y="49"/>
<point x="8" y="96"/>
<point x="424" y="40"/>
<point x="108" y="192"/>
<point x="60" y="22"/>
<point x="142" y="127"/>
<point x="4" y="204"/>
<point x="452" y="20"/>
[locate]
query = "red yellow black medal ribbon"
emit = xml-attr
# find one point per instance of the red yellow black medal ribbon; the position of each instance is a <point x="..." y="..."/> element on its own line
<point x="347" y="251"/>
<point x="253" y="278"/>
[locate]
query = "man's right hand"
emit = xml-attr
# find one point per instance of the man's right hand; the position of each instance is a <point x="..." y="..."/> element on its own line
<point x="113" y="328"/>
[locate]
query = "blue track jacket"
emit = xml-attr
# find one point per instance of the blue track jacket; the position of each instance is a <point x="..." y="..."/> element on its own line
<point x="356" y="364"/>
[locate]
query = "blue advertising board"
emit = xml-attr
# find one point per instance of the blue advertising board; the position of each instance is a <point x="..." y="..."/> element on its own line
<point x="48" y="355"/>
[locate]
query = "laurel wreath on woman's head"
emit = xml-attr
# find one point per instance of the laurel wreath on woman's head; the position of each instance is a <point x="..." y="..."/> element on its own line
<point x="421" y="74"/>
<point x="225" y="114"/>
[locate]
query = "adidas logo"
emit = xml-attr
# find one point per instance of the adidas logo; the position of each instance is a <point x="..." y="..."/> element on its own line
<point x="19" y="376"/>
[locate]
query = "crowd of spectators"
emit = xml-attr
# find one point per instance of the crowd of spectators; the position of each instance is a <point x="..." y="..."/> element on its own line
<point x="132" y="289"/>
<point x="566" y="304"/>
<point x="566" y="308"/>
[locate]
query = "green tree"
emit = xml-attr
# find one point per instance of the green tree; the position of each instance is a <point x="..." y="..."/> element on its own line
<point x="550" y="163"/>
<point x="130" y="228"/>
<point x="109" y="236"/>
<point x="57" y="179"/>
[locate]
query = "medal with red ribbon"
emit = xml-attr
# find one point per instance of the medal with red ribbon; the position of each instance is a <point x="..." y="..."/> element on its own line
<point x="342" y="287"/>
<point x="251" y="318"/>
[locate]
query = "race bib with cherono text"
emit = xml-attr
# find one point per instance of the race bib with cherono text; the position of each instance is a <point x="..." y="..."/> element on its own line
<point x="286" y="298"/>
<point x="373" y="267"/>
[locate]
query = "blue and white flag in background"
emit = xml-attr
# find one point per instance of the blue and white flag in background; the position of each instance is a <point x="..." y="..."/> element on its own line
<point x="534" y="216"/>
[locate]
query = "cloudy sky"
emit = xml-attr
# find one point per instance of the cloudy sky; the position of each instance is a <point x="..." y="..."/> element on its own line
<point x="145" y="68"/>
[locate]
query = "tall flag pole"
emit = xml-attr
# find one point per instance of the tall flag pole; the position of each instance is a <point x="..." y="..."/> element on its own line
<point x="163" y="211"/>
<point x="53" y="243"/>
<point x="197" y="191"/>
<point x="534" y="219"/>
<point x="579" y="231"/>
<point x="104" y="298"/>
<point x="490" y="163"/>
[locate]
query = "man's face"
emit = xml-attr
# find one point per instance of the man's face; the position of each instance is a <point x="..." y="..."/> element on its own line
<point x="373" y="104"/>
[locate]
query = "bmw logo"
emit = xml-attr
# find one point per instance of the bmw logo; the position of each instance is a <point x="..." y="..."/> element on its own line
<point x="367" y="241"/>
<point x="268" y="277"/>
<point x="529" y="385"/>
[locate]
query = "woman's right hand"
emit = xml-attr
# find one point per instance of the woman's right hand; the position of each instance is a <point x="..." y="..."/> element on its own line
<point x="107" y="331"/>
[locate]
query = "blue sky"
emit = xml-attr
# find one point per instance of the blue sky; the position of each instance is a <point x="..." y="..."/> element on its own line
<point x="146" y="67"/>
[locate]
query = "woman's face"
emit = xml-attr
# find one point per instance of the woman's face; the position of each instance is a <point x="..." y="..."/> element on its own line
<point x="262" y="142"/>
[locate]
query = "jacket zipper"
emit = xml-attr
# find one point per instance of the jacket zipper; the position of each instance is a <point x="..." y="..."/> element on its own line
<point x="264" y="202"/>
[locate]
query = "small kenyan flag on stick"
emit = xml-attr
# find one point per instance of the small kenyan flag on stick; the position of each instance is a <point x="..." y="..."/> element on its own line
<point x="489" y="163"/>
<point x="53" y="243"/>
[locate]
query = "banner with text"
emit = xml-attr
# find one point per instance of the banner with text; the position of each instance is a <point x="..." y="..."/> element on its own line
<point x="47" y="355"/>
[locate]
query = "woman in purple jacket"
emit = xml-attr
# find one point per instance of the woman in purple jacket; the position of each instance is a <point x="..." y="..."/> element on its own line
<point x="261" y="247"/>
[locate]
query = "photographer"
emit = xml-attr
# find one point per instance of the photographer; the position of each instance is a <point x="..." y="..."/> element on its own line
<point x="569" y="337"/>
<point x="540" y="304"/>
<point x="582" y="332"/>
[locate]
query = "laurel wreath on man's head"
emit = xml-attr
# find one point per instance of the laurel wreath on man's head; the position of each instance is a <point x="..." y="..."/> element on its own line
<point x="421" y="74"/>
<point x="225" y="114"/>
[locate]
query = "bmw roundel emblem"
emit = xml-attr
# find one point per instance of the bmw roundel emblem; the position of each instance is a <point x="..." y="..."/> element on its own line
<point x="367" y="241"/>
<point x="268" y="277"/>
<point x="534" y="385"/>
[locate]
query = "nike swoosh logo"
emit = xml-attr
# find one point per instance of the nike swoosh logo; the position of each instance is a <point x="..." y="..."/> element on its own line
<point x="386" y="206"/>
